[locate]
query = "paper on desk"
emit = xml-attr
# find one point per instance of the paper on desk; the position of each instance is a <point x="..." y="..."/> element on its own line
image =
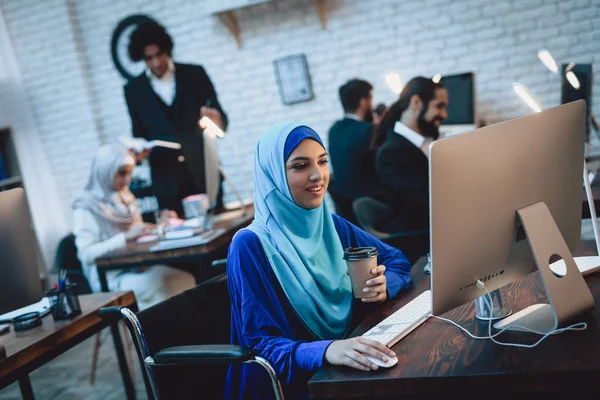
<point x="41" y="307"/>
<point x="141" y="144"/>
<point x="186" y="242"/>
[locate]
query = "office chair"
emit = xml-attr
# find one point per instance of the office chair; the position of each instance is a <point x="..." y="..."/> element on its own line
<point x="66" y="259"/>
<point x="179" y="344"/>
<point x="414" y="244"/>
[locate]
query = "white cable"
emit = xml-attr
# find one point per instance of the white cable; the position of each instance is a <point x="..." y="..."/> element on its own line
<point x="575" y="327"/>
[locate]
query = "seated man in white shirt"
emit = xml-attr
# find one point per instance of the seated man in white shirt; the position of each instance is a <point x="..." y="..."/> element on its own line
<point x="409" y="127"/>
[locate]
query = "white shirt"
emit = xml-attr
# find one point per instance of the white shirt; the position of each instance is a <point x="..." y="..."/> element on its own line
<point x="93" y="239"/>
<point x="418" y="140"/>
<point x="409" y="134"/>
<point x="164" y="86"/>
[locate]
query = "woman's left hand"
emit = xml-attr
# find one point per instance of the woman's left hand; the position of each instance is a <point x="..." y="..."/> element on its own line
<point x="376" y="286"/>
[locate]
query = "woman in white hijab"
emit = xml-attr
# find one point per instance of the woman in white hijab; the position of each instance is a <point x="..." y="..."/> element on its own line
<point x="105" y="217"/>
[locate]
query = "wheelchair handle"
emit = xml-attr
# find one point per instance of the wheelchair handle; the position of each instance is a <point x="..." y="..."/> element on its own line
<point x="110" y="314"/>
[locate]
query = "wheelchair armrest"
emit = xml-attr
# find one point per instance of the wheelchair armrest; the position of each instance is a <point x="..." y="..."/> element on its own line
<point x="110" y="314"/>
<point x="209" y="354"/>
<point x="219" y="263"/>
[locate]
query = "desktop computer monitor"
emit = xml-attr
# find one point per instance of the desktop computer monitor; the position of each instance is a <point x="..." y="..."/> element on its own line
<point x="583" y="73"/>
<point x="212" y="175"/>
<point x="20" y="283"/>
<point x="461" y="104"/>
<point x="478" y="181"/>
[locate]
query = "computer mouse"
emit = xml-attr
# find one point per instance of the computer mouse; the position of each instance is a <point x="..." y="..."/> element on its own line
<point x="391" y="361"/>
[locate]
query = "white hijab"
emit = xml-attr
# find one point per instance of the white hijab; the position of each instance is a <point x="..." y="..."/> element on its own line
<point x="119" y="209"/>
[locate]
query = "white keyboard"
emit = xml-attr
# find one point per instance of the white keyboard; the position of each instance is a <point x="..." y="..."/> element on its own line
<point x="403" y="321"/>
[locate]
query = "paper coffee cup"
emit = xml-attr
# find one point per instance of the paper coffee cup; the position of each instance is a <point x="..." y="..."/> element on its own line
<point x="360" y="261"/>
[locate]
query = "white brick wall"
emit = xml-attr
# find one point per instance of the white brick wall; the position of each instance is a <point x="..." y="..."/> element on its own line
<point x="16" y="114"/>
<point x="45" y="47"/>
<point x="364" y="38"/>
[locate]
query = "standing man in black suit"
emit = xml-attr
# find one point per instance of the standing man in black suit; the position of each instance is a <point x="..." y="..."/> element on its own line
<point x="408" y="127"/>
<point x="165" y="102"/>
<point x="350" y="152"/>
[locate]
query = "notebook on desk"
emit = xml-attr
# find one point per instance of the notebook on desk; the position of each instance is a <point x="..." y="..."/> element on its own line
<point x="42" y="307"/>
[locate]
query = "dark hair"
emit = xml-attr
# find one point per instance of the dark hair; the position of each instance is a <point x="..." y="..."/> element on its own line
<point x="146" y="34"/>
<point x="420" y="86"/>
<point x="352" y="92"/>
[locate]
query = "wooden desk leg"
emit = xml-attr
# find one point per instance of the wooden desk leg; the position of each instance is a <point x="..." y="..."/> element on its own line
<point x="103" y="281"/>
<point x="26" y="389"/>
<point x="127" y="381"/>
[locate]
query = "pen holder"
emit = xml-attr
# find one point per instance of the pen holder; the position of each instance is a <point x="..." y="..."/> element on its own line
<point x="64" y="303"/>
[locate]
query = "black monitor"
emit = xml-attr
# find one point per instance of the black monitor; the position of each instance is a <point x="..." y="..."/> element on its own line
<point x="583" y="73"/>
<point x="461" y="98"/>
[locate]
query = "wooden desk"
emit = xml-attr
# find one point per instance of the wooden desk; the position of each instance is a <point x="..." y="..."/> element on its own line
<point x="437" y="360"/>
<point x="30" y="349"/>
<point x="138" y="255"/>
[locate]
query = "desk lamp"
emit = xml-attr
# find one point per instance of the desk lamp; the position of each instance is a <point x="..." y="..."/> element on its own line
<point x="394" y="82"/>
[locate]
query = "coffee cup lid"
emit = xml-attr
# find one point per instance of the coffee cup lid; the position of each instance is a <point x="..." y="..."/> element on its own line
<point x="360" y="253"/>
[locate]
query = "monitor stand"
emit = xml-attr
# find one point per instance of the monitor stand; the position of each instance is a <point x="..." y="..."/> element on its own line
<point x="208" y="219"/>
<point x="568" y="294"/>
<point x="235" y="191"/>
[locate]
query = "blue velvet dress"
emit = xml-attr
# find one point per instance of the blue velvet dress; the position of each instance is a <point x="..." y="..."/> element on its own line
<point x="263" y="319"/>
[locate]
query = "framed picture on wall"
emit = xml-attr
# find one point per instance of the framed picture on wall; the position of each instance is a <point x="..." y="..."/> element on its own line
<point x="293" y="79"/>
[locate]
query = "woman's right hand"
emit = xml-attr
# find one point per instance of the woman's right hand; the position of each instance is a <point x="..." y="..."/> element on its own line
<point x="135" y="231"/>
<point x="353" y="352"/>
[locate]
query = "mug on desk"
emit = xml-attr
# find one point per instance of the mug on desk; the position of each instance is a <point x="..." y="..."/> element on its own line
<point x="195" y="206"/>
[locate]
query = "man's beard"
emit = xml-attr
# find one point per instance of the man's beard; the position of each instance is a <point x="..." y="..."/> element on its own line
<point x="428" y="128"/>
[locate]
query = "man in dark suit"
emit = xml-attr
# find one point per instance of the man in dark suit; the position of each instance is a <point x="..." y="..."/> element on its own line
<point x="166" y="102"/>
<point x="352" y="159"/>
<point x="410" y="125"/>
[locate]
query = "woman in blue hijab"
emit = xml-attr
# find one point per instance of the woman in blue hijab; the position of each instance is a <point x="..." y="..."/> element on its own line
<point x="291" y="296"/>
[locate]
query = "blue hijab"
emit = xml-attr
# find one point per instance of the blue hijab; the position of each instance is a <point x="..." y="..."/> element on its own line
<point x="302" y="245"/>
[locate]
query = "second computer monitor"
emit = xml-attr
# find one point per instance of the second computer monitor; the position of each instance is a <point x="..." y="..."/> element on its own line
<point x="212" y="176"/>
<point x="20" y="283"/>
<point x="478" y="181"/>
<point x="461" y="104"/>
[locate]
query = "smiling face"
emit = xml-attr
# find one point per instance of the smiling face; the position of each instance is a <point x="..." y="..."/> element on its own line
<point x="431" y="116"/>
<point x="307" y="174"/>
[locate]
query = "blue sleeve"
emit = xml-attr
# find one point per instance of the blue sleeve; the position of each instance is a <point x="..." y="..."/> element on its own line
<point x="262" y="318"/>
<point x="398" y="268"/>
